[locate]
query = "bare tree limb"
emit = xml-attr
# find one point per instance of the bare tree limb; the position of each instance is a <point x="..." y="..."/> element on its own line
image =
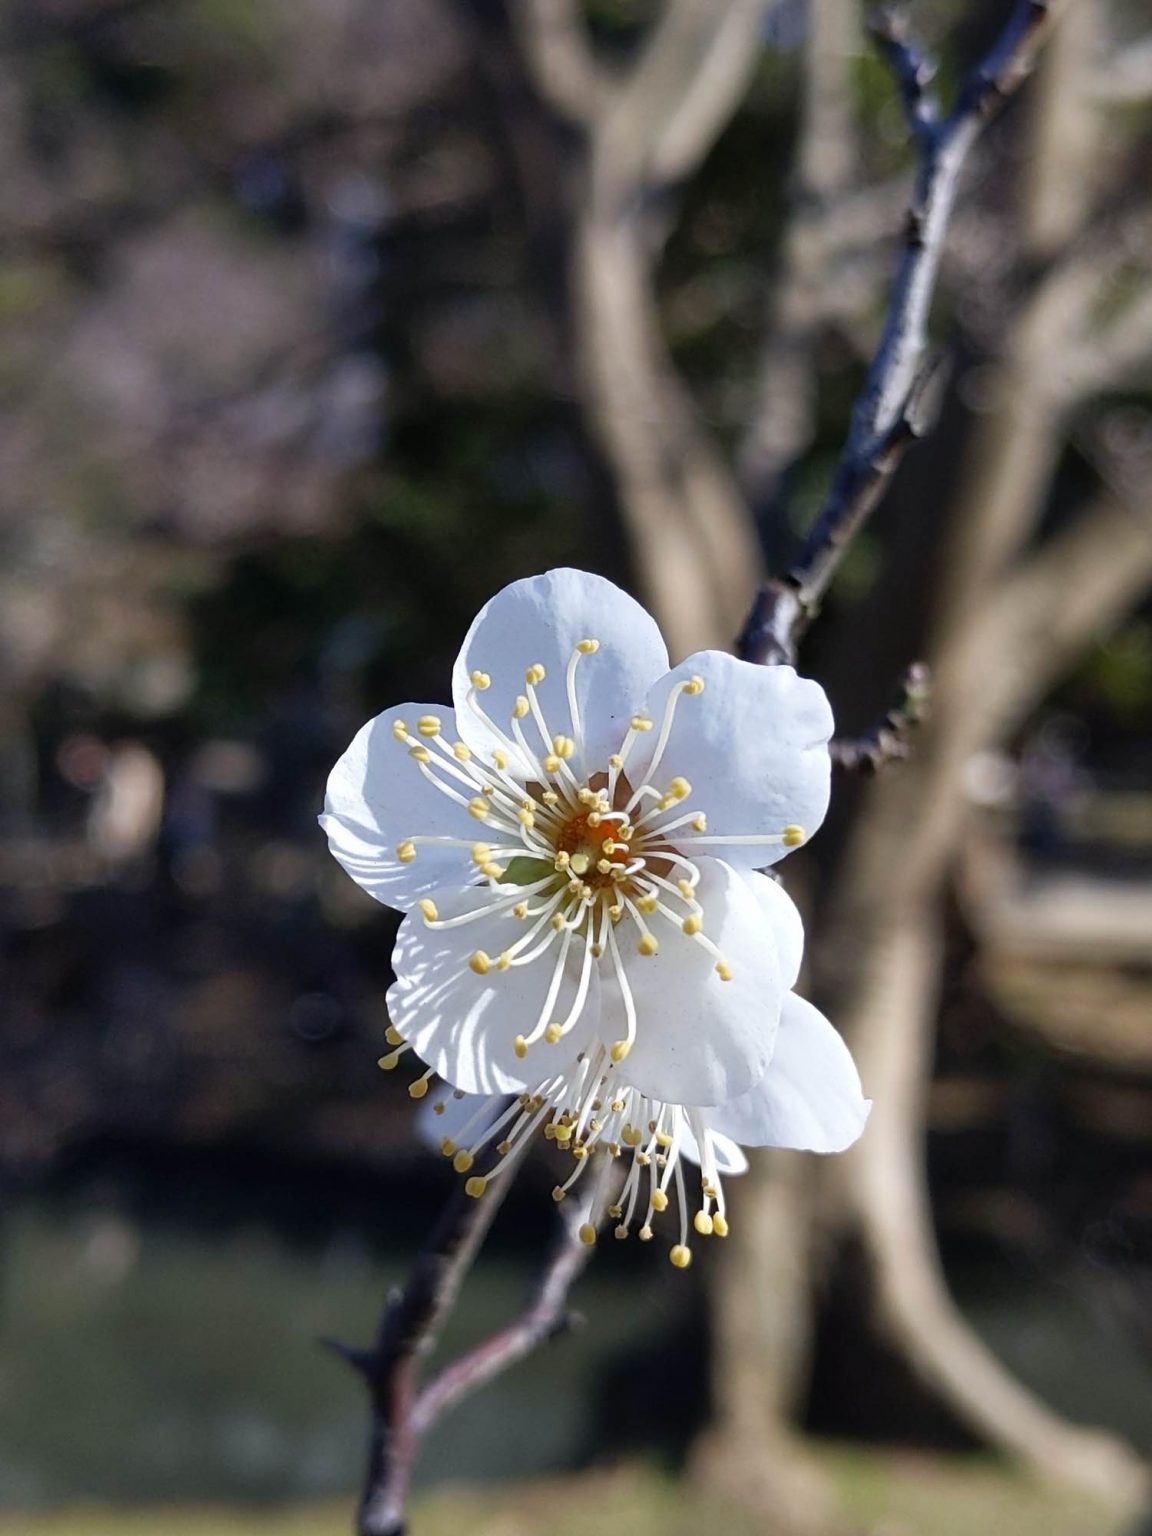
<point x="883" y="420"/>
<point x="564" y="67"/>
<point x="1124" y="79"/>
<point x="889" y="740"/>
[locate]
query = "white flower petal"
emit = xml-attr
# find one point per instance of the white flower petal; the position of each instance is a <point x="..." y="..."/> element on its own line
<point x="754" y="748"/>
<point x="542" y="620"/>
<point x="378" y="798"/>
<point x="784" y="920"/>
<point x="726" y="1154"/>
<point x="810" y="1098"/>
<point x="463" y="1025"/>
<point x="700" y="1040"/>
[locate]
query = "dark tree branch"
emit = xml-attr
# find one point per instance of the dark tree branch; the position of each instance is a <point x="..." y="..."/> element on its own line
<point x="887" y="415"/>
<point x="403" y="1411"/>
<point x="889" y="739"/>
<point x="407" y="1334"/>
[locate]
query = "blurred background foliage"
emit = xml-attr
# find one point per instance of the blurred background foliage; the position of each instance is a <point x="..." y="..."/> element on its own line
<point x="286" y="395"/>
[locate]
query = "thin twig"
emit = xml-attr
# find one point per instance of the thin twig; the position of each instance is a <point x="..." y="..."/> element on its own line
<point x="886" y="417"/>
<point x="545" y="1317"/>
<point x="888" y="740"/>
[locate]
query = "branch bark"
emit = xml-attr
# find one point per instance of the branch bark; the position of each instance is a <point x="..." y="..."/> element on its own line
<point x="885" y="417"/>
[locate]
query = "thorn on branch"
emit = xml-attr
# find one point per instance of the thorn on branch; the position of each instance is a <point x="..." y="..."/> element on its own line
<point x="888" y="740"/>
<point x="362" y="1361"/>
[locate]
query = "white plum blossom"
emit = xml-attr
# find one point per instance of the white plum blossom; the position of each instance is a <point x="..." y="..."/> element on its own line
<point x="590" y="942"/>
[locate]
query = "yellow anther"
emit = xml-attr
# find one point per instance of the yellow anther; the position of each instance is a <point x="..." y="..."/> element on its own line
<point x="558" y="1194"/>
<point x="648" y="903"/>
<point x="562" y="1133"/>
<point x="428" y="907"/>
<point x="719" y="1225"/>
<point x="640" y="723"/>
<point x="491" y="871"/>
<point x="421" y="754"/>
<point x="550" y="797"/>
<point x="588" y="1234"/>
<point x="393" y="1035"/>
<point x="475" y="1186"/>
<point x="406" y="852"/>
<point x="579" y="1151"/>
<point x="587" y="647"/>
<point x="520" y="708"/>
<point x="563" y="746"/>
<point x="439" y="1106"/>
<point x="680" y="1256"/>
<point x="504" y="1147"/>
<point x="562" y="860"/>
<point x="478" y="807"/>
<point x="526" y="818"/>
<point x="659" y="1200"/>
<point x="596" y="951"/>
<point x="390" y="1062"/>
<point x="520" y="909"/>
<point x="448" y="1147"/>
<point x="643" y="1159"/>
<point x="616" y="761"/>
<point x="615" y="911"/>
<point x="703" y="1223"/>
<point x="463" y="1161"/>
<point x="631" y="1136"/>
<point x="604" y="866"/>
<point x="418" y="1089"/>
<point x="793" y="836"/>
<point x="594" y="819"/>
<point x="686" y="889"/>
<point x="648" y="944"/>
<point x="520" y="1046"/>
<point x="480" y="963"/>
<point x="399" y="730"/>
<point x="535" y="674"/>
<point x="428" y="725"/>
<point x="679" y="789"/>
<point x="480" y="681"/>
<point x="487" y="789"/>
<point x="499" y="760"/>
<point x="620" y="1233"/>
<point x="608" y="846"/>
<point x="723" y="970"/>
<point x="663" y="1139"/>
<point x="700" y="823"/>
<point x="460" y="752"/>
<point x="481" y="854"/>
<point x="645" y="1234"/>
<point x="557" y="921"/>
<point x="553" y="1034"/>
<point x="692" y="924"/>
<point x="616" y="1212"/>
<point x="694" y="685"/>
<point x="551" y="764"/>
